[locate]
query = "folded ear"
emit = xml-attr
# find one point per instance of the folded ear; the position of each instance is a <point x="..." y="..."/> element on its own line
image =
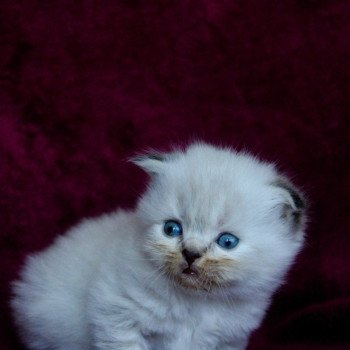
<point x="293" y="204"/>
<point x="151" y="162"/>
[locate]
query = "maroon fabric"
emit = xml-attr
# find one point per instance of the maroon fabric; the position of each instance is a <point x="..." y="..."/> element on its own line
<point x="85" y="84"/>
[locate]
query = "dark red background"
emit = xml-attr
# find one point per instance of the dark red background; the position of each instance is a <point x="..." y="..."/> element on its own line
<point x="85" y="84"/>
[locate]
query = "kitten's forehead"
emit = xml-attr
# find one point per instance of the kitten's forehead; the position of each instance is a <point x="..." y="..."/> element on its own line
<point x="210" y="185"/>
<point x="202" y="202"/>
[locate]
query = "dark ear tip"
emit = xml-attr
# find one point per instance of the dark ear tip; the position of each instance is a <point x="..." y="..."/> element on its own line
<point x="297" y="198"/>
<point x="151" y="162"/>
<point x="143" y="157"/>
<point x="156" y="156"/>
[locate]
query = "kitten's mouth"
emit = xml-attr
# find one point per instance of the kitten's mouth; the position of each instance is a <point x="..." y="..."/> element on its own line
<point x="190" y="271"/>
<point x="191" y="278"/>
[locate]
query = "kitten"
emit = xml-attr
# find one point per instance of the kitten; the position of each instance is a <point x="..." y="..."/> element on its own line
<point x="192" y="268"/>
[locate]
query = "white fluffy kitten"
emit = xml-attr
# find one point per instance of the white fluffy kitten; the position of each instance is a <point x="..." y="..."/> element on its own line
<point x="192" y="268"/>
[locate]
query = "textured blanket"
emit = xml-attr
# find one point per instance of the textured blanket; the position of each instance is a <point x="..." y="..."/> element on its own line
<point x="86" y="84"/>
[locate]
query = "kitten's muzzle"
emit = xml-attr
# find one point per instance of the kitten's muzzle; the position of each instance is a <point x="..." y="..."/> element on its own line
<point x="190" y="257"/>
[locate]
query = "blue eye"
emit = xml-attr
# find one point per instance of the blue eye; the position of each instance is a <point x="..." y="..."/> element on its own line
<point x="227" y="240"/>
<point x="172" y="228"/>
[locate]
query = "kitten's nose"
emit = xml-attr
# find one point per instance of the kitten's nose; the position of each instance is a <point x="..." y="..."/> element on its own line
<point x="190" y="256"/>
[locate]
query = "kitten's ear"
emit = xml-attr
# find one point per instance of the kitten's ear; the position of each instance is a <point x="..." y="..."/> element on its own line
<point x="293" y="204"/>
<point x="151" y="162"/>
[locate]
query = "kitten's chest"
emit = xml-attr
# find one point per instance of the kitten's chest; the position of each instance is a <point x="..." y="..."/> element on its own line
<point x="186" y="328"/>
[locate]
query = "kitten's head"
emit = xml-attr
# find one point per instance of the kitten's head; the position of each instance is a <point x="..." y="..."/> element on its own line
<point x="216" y="218"/>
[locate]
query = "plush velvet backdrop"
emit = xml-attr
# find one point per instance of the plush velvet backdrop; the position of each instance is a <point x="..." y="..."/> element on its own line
<point x="85" y="84"/>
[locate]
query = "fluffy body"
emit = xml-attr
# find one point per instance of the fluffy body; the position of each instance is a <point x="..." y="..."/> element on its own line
<point x="117" y="281"/>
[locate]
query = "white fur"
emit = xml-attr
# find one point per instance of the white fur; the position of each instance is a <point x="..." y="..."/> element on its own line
<point x="105" y="284"/>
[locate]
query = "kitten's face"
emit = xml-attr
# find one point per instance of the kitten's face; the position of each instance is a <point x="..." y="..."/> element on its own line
<point x="216" y="219"/>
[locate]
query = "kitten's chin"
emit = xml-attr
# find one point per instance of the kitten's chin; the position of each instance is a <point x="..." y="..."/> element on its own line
<point x="191" y="282"/>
